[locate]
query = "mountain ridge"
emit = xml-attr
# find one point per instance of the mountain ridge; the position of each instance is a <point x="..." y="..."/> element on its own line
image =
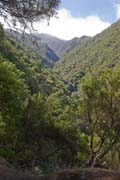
<point x="49" y="48"/>
<point x="60" y="46"/>
<point x="97" y="53"/>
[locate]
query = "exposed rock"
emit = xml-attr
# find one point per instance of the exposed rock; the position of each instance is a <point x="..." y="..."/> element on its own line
<point x="7" y="173"/>
<point x="87" y="174"/>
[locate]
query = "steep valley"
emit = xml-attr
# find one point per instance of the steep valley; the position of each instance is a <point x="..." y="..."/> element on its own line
<point x="60" y="106"/>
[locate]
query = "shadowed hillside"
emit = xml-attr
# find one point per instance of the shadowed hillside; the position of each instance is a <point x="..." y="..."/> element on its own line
<point x="42" y="49"/>
<point x="7" y="173"/>
<point x="59" y="46"/>
<point x="47" y="47"/>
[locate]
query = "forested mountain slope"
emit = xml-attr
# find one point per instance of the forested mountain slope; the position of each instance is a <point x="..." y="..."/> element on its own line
<point x="48" y="48"/>
<point x="28" y="62"/>
<point x="45" y="126"/>
<point x="34" y="42"/>
<point x="53" y="42"/>
<point x="60" y="46"/>
<point x="31" y="97"/>
<point x="71" y="44"/>
<point x="97" y="53"/>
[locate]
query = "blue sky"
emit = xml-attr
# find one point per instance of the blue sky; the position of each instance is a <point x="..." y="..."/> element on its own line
<point x="105" y="9"/>
<point x="82" y="17"/>
<point x="76" y="18"/>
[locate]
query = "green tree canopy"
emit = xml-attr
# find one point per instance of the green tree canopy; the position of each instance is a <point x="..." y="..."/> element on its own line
<point x="26" y="11"/>
<point x="99" y="109"/>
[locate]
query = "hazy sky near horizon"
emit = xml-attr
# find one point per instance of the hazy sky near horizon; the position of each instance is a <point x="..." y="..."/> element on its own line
<point x="76" y="18"/>
<point x="81" y="17"/>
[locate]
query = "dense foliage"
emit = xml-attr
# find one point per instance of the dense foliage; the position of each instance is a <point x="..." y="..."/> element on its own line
<point x="34" y="43"/>
<point x="29" y="109"/>
<point x="49" y="48"/>
<point x="44" y="126"/>
<point x="97" y="53"/>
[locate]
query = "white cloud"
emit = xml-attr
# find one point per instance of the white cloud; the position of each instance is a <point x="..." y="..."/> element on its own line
<point x="117" y="11"/>
<point x="67" y="27"/>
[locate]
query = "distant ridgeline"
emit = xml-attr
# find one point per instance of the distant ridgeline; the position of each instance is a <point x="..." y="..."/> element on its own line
<point x="48" y="48"/>
<point x="97" y="53"/>
<point x="64" y="116"/>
